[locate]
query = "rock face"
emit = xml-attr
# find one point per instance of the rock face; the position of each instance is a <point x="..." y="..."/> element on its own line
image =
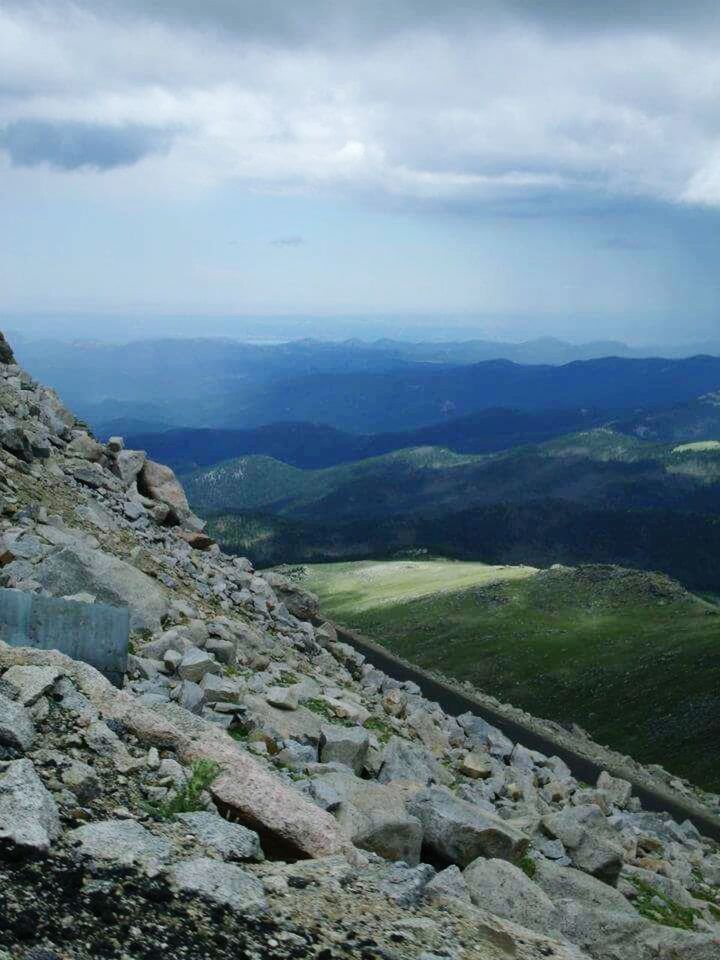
<point x="245" y="734"/>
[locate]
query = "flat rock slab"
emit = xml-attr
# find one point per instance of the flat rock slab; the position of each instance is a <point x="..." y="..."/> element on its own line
<point x="230" y="840"/>
<point x="121" y="843"/>
<point x="222" y="883"/>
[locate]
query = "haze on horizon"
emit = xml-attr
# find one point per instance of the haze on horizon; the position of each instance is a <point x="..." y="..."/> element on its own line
<point x="508" y="170"/>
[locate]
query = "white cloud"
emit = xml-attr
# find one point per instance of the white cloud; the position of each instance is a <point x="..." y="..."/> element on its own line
<point x="494" y="110"/>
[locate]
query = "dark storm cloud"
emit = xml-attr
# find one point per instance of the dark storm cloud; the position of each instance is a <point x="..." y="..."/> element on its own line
<point x="73" y="146"/>
<point x="288" y="22"/>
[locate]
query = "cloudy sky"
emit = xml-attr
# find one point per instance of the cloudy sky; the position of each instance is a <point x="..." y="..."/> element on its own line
<point x="521" y="167"/>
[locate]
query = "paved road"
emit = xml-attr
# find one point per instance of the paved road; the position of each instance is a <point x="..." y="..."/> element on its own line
<point x="454" y="702"/>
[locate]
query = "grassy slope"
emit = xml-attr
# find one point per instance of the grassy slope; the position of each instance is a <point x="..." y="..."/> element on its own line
<point x="628" y="655"/>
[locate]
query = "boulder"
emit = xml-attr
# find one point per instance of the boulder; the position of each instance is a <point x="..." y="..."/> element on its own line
<point x="230" y="841"/>
<point x="29" y="818"/>
<point x="221" y="883"/>
<point x="590" y="842"/>
<point x="408" y="761"/>
<point x="31" y="683"/>
<point x="618" y="790"/>
<point x="301" y="603"/>
<point x="159" y="483"/>
<point x="449" y="884"/>
<point x="75" y="569"/>
<point x="374" y="817"/>
<point x="485" y="737"/>
<point x="195" y="664"/>
<point x="405" y="884"/>
<point x="302" y="725"/>
<point x="84" y="447"/>
<point x="17" y="729"/>
<point x="566" y="883"/>
<point x="503" y="889"/>
<point x="122" y="843"/>
<point x="15" y="440"/>
<point x="347" y="745"/>
<point x="458" y="832"/>
<point x="127" y="465"/>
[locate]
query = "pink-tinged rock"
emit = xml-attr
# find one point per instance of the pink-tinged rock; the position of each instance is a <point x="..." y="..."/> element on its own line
<point x="159" y="482"/>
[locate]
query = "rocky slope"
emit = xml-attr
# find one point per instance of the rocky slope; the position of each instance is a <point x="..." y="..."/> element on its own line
<point x="257" y="789"/>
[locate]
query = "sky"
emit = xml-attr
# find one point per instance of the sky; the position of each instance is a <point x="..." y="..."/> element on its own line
<point x="515" y="169"/>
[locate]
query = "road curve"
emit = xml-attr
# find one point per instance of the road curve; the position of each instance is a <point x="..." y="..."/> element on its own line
<point x="455" y="702"/>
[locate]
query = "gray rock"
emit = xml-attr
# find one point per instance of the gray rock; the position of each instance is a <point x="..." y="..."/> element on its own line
<point x="230" y="840"/>
<point x="219" y="882"/>
<point x="219" y="689"/>
<point x="191" y="697"/>
<point x="405" y="885"/>
<point x="458" y="832"/>
<point x="375" y="818"/>
<point x="84" y="447"/>
<point x="589" y="841"/>
<point x="403" y="760"/>
<point x="484" y="736"/>
<point x="17" y="729"/>
<point x="618" y="790"/>
<point x="121" y="843"/>
<point x="565" y="883"/>
<point x="448" y="884"/>
<point x="81" y="780"/>
<point x="75" y="569"/>
<point x="284" y="698"/>
<point x="29" y="819"/>
<point x="503" y="889"/>
<point x="31" y="683"/>
<point x="347" y="745"/>
<point x="195" y="664"/>
<point x="127" y="464"/>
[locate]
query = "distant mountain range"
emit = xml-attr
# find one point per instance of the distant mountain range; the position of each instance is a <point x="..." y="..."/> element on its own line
<point x="224" y="384"/>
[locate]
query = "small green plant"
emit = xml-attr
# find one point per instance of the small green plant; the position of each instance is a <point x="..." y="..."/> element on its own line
<point x="654" y="905"/>
<point x="286" y="679"/>
<point x="380" y="727"/>
<point x="240" y="730"/>
<point x="528" y="867"/>
<point x="186" y="799"/>
<point x="324" y="709"/>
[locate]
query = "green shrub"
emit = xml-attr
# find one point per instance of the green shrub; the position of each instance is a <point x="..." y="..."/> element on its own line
<point x="186" y="798"/>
